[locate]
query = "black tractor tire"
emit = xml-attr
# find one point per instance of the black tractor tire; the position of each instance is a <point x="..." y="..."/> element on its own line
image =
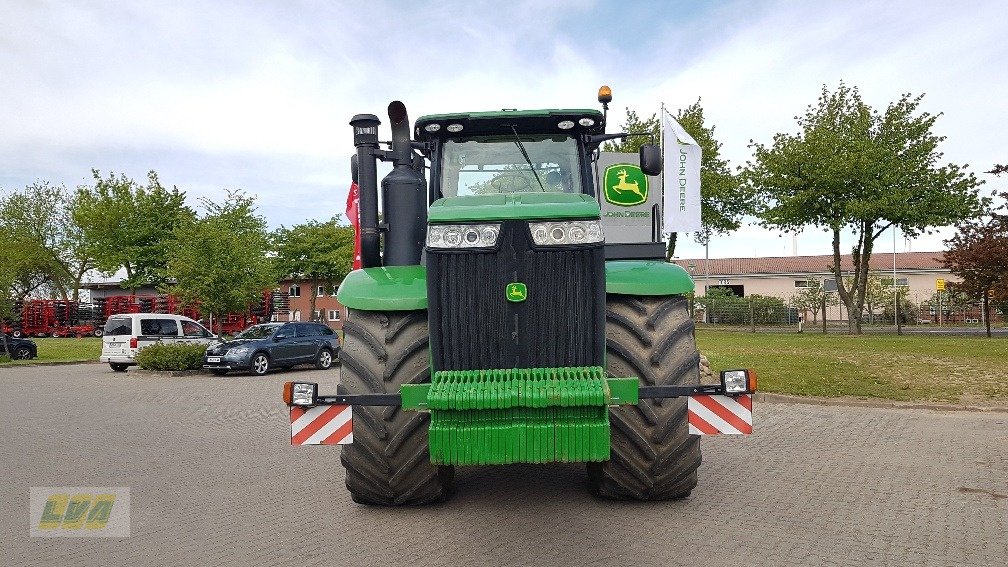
<point x="388" y="462"/>
<point x="324" y="360"/>
<point x="118" y="366"/>
<point x="259" y="364"/>
<point x="653" y="456"/>
<point x="23" y="353"/>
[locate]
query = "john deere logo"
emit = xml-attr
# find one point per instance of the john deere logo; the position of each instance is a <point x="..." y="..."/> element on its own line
<point x="625" y="185"/>
<point x="516" y="292"/>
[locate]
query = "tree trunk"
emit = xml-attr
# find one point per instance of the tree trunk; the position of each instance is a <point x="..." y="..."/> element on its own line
<point x="845" y="296"/>
<point x="986" y="308"/>
<point x="314" y="296"/>
<point x="670" y="249"/>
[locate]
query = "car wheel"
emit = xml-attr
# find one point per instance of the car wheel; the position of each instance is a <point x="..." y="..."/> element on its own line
<point x="98" y="332"/>
<point x="260" y="364"/>
<point x="219" y="372"/>
<point x="16" y="334"/>
<point x="324" y="359"/>
<point x="118" y="366"/>
<point x="23" y="353"/>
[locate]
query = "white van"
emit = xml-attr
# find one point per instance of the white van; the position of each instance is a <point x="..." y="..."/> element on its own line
<point x="125" y="334"/>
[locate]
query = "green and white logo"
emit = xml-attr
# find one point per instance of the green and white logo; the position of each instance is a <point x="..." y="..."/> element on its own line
<point x="516" y="292"/>
<point x="625" y="185"/>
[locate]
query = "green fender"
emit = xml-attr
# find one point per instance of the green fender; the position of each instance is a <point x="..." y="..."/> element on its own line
<point x="646" y="277"/>
<point x="388" y="288"/>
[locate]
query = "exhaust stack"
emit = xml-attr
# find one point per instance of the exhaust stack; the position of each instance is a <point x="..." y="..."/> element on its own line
<point x="404" y="196"/>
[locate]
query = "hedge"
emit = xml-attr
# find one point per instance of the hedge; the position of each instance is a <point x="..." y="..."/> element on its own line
<point x="171" y="356"/>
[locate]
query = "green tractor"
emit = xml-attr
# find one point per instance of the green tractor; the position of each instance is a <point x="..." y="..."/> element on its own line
<point x="491" y="322"/>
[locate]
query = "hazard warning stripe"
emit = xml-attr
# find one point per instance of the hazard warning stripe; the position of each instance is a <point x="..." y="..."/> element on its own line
<point x="322" y="425"/>
<point x="712" y="415"/>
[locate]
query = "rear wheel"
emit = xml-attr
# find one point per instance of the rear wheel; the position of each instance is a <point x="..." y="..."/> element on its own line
<point x="98" y="332"/>
<point x="23" y="353"/>
<point x="653" y="456"/>
<point x="118" y="366"/>
<point x="388" y="462"/>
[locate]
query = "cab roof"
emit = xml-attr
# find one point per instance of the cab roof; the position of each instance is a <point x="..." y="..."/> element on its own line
<point x="544" y="121"/>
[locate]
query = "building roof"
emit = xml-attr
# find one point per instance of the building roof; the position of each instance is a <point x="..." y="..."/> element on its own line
<point x="811" y="264"/>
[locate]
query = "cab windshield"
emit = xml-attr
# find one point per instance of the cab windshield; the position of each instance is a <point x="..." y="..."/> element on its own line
<point x="496" y="164"/>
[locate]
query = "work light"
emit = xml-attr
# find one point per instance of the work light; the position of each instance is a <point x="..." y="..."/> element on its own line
<point x="300" y="393"/>
<point x="740" y="381"/>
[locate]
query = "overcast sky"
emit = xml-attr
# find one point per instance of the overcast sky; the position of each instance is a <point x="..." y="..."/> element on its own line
<point x="257" y="95"/>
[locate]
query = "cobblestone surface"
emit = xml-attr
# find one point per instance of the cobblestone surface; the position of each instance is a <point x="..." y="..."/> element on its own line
<point x="214" y="480"/>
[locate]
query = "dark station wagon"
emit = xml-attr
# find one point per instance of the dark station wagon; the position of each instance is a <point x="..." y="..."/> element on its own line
<point x="260" y="348"/>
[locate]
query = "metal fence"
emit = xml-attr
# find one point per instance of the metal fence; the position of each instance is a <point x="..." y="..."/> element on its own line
<point x="913" y="310"/>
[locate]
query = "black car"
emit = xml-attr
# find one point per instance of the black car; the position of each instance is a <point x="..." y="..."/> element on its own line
<point x="20" y="349"/>
<point x="262" y="347"/>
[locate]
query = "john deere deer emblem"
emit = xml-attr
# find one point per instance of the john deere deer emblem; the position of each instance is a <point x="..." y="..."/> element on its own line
<point x="516" y="292"/>
<point x="625" y="185"/>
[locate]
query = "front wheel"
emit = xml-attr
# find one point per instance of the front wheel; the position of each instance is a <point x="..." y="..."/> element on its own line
<point x="98" y="332"/>
<point x="260" y="364"/>
<point x="23" y="353"/>
<point x="388" y="462"/>
<point x="653" y="455"/>
<point x="118" y="366"/>
<point x="324" y="359"/>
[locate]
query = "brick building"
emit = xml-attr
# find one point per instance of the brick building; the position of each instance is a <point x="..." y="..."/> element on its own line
<point x="299" y="295"/>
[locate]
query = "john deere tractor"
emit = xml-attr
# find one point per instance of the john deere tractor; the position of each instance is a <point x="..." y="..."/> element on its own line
<point x="492" y="323"/>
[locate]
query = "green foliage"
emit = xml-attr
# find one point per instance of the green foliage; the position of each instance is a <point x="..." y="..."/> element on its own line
<point x="220" y="261"/>
<point x="38" y="221"/>
<point x="724" y="199"/>
<point x="811" y="299"/>
<point x="321" y="252"/>
<point x="724" y="307"/>
<point x="171" y="356"/>
<point x="131" y="226"/>
<point x="850" y="166"/>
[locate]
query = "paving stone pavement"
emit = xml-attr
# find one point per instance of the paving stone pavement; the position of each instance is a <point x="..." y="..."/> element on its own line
<point x="213" y="479"/>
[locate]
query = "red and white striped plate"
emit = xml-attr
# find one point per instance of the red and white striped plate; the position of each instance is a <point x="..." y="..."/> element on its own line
<point x="714" y="415"/>
<point x="321" y="425"/>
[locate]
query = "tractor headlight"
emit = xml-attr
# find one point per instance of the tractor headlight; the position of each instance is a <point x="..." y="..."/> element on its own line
<point x="566" y="233"/>
<point x="462" y="235"/>
<point x="738" y="381"/>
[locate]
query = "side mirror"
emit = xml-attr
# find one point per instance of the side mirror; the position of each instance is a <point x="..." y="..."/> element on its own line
<point x="650" y="159"/>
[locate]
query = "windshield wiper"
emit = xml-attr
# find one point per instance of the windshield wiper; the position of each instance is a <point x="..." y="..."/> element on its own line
<point x="525" y="154"/>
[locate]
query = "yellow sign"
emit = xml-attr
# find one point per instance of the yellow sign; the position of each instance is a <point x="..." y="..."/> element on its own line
<point x="940" y="284"/>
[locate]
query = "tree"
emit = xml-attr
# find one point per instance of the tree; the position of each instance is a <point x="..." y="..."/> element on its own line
<point x="317" y="251"/>
<point x="724" y="200"/>
<point x="978" y="253"/>
<point x="40" y="219"/>
<point x="129" y="226"/>
<point x="811" y="298"/>
<point x="221" y="261"/>
<point x="852" y="167"/>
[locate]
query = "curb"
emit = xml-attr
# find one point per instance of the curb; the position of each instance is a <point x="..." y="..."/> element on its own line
<point x="169" y="373"/>
<point x="52" y="363"/>
<point x="871" y="403"/>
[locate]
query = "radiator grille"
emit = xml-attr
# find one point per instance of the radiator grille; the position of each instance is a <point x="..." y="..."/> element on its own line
<point x="474" y="327"/>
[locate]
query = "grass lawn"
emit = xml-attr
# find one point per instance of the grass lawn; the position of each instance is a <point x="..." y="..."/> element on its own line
<point x="972" y="370"/>
<point x="65" y="350"/>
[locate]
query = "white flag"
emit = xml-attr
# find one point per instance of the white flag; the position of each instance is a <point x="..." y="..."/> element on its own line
<point x="682" y="178"/>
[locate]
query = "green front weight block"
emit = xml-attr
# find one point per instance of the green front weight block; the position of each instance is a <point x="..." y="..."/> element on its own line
<point x="529" y="415"/>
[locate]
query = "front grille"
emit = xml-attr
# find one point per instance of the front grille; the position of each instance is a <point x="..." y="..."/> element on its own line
<point x="474" y="327"/>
